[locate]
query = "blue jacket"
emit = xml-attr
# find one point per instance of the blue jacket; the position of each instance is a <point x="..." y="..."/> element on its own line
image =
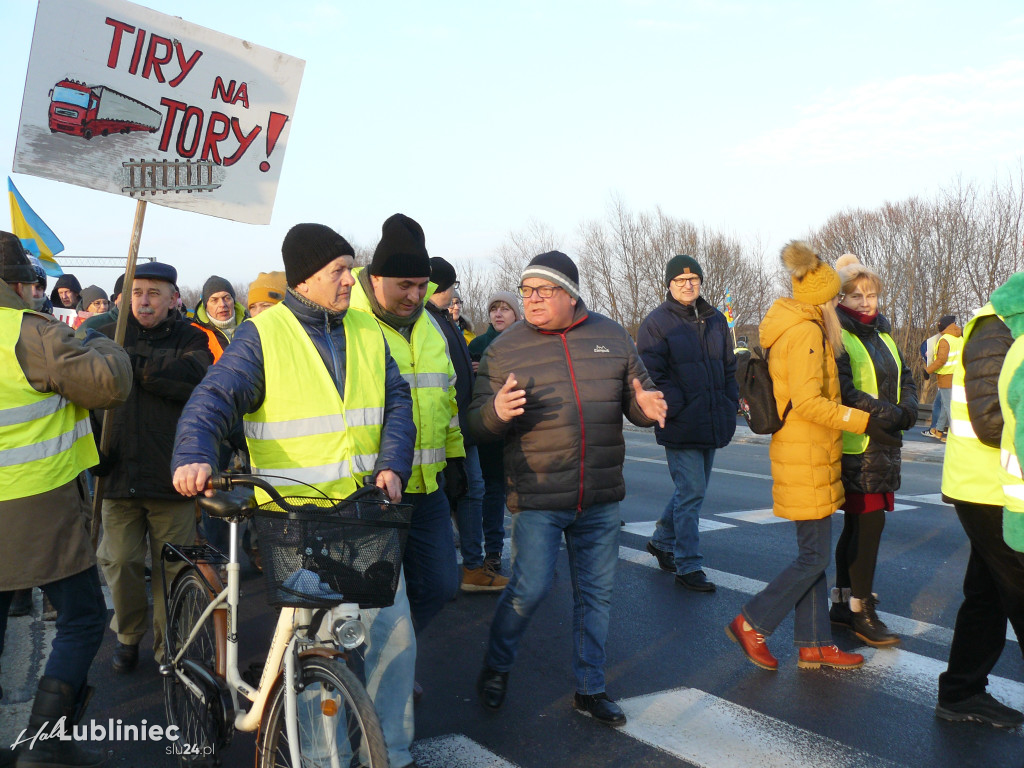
<point x="689" y="355"/>
<point x="236" y="386"/>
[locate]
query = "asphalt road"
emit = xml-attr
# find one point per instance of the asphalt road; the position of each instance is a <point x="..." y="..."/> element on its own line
<point x="691" y="697"/>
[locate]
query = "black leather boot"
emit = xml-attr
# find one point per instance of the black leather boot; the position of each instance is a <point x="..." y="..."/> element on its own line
<point x="21" y="603"/>
<point x="56" y="699"/>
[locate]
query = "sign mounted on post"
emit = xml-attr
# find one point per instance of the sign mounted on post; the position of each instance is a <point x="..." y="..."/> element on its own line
<point x="123" y="99"/>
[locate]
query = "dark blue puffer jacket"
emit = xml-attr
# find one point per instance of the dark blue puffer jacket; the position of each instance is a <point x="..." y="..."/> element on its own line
<point x="689" y="354"/>
<point x="236" y="386"/>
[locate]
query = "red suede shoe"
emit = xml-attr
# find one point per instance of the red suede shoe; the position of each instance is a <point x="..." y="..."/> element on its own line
<point x="752" y="644"/>
<point x="829" y="656"/>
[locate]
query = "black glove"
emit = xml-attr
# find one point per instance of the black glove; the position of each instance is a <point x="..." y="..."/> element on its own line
<point x="877" y="431"/>
<point x="103" y="468"/>
<point x="456" y="484"/>
<point x="909" y="417"/>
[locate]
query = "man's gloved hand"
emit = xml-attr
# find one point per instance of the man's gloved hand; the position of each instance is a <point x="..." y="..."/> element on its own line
<point x="105" y="465"/>
<point x="877" y="430"/>
<point x="456" y="484"/>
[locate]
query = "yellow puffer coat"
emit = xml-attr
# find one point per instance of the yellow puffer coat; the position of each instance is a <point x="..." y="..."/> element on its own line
<point x="806" y="452"/>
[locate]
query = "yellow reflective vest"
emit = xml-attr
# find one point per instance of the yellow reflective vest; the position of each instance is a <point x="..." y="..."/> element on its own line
<point x="865" y="379"/>
<point x="425" y="365"/>
<point x="1013" y="482"/>
<point x="956" y="344"/>
<point x="970" y="470"/>
<point x="304" y="429"/>
<point x="45" y="439"/>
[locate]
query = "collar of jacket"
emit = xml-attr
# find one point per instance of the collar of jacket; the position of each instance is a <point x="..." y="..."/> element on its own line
<point x="578" y="316"/>
<point x="311" y="313"/>
<point x="699" y="309"/>
<point x="878" y="324"/>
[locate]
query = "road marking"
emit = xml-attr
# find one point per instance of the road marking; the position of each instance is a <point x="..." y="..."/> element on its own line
<point x="926" y="498"/>
<point x="922" y="630"/>
<point x="646" y="529"/>
<point x="456" y="750"/>
<point x="767" y="516"/>
<point x="663" y="462"/>
<point x="711" y="733"/>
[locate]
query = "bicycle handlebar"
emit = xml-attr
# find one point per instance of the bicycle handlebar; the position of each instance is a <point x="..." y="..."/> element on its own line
<point x="228" y="482"/>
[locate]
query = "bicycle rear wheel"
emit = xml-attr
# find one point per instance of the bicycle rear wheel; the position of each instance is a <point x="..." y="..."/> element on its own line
<point x="337" y="724"/>
<point x="200" y="724"/>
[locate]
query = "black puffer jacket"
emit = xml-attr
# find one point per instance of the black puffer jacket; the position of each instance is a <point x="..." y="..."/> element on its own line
<point x="983" y="358"/>
<point x="169" y="360"/>
<point x="459" y="354"/>
<point x="566" y="450"/>
<point x="877" y="470"/>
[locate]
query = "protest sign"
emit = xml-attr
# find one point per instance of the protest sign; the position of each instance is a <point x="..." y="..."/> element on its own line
<point x="123" y="99"/>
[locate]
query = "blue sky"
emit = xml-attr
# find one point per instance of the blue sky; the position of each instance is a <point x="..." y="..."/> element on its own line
<point x="760" y="119"/>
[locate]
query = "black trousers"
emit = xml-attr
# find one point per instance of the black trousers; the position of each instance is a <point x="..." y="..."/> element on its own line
<point x="993" y="594"/>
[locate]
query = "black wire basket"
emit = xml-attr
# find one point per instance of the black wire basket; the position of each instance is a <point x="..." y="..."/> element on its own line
<point x="332" y="551"/>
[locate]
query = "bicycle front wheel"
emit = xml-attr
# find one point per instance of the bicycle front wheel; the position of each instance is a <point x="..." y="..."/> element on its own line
<point x="337" y="724"/>
<point x="199" y="720"/>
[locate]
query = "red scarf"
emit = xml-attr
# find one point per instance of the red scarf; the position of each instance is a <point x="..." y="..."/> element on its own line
<point x="859" y="316"/>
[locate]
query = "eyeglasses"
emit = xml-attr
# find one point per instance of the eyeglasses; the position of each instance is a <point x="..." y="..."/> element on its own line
<point x="544" y="291"/>
<point x="681" y="281"/>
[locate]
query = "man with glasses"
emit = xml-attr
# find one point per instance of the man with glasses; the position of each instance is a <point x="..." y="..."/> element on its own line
<point x="555" y="388"/>
<point x="686" y="347"/>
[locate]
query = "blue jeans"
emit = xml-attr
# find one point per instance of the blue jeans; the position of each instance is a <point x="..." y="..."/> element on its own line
<point x="592" y="543"/>
<point x="470" y="513"/>
<point x="802" y="585"/>
<point x="389" y="671"/>
<point x="677" y="530"/>
<point x="81" y="621"/>
<point x="431" y="571"/>
<point x="942" y="396"/>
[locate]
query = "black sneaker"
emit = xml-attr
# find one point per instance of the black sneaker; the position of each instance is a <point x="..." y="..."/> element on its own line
<point x="601" y="708"/>
<point x="666" y="560"/>
<point x="491" y="687"/>
<point x="980" y="708"/>
<point x="695" y="580"/>
<point x="841" y="615"/>
<point x="869" y="628"/>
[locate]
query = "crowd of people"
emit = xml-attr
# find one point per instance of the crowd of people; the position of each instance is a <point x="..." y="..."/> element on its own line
<point x="335" y="375"/>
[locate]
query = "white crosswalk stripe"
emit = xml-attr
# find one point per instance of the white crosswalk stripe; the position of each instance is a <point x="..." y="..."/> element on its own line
<point x="456" y="751"/>
<point x="711" y="733"/>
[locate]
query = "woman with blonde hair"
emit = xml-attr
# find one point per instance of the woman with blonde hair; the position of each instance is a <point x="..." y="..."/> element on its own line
<point x="873" y="377"/>
<point x="802" y="336"/>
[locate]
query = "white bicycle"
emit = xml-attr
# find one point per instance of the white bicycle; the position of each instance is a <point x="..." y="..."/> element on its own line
<point x="323" y="559"/>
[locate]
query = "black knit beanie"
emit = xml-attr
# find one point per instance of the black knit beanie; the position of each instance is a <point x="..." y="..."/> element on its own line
<point x="118" y="287"/>
<point x="442" y="274"/>
<point x="216" y="284"/>
<point x="308" y="248"/>
<point x="555" y="267"/>
<point x="682" y="264"/>
<point x="402" y="250"/>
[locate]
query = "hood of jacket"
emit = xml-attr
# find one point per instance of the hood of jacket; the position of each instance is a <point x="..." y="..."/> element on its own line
<point x="783" y="315"/>
<point x="1008" y="302"/>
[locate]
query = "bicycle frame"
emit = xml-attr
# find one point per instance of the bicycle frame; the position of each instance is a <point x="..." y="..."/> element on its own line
<point x="283" y="647"/>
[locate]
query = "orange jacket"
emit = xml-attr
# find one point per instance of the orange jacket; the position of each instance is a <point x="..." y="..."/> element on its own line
<point x="806" y="452"/>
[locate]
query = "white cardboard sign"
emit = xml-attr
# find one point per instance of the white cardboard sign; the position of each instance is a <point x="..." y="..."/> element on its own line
<point x="123" y="99"/>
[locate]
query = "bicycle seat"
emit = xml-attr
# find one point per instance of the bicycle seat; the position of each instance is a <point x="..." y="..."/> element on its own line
<point x="227" y="504"/>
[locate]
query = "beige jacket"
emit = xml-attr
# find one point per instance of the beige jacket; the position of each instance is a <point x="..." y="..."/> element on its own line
<point x="45" y="537"/>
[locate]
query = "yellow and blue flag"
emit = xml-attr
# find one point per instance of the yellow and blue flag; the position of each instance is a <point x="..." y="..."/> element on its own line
<point x="37" y="238"/>
<point x="729" y="316"/>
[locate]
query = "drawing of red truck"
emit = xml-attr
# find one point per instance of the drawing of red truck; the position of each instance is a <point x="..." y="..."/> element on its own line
<point x="88" y="110"/>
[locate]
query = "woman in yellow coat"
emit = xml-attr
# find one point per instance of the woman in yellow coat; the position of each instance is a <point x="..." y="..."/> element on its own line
<point x="801" y="336"/>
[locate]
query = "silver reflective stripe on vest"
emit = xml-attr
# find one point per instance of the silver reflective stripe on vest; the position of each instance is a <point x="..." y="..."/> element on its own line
<point x="325" y="473"/>
<point x="23" y="414"/>
<point x="313" y="425"/>
<point x="1014" y="491"/>
<point x="1009" y="462"/>
<point x="422" y="380"/>
<point x="428" y="456"/>
<point x="453" y="423"/>
<point x="958" y="394"/>
<point x="962" y="428"/>
<point x="47" y="448"/>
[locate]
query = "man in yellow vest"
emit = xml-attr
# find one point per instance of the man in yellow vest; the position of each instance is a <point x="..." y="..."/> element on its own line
<point x="947" y="353"/>
<point x="50" y="380"/>
<point x="290" y="373"/>
<point x="393" y="290"/>
<point x="971" y="482"/>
